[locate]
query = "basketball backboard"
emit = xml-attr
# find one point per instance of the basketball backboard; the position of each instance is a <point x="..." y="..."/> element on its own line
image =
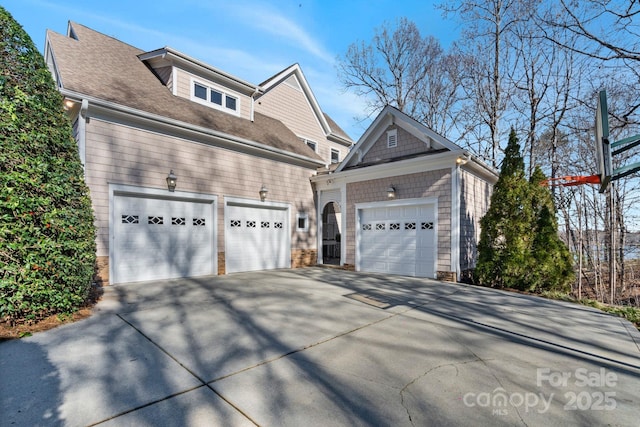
<point x="603" y="147"/>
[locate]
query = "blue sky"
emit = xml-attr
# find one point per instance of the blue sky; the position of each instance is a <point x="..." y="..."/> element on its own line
<point x="252" y="40"/>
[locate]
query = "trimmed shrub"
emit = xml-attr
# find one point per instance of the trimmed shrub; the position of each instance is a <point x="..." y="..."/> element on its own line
<point x="47" y="232"/>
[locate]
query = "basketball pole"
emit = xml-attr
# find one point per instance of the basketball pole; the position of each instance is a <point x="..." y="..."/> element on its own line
<point x="581" y="243"/>
<point x="612" y="248"/>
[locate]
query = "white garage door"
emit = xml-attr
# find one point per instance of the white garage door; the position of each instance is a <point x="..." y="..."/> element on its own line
<point x="161" y="239"/>
<point x="256" y="237"/>
<point x="398" y="240"/>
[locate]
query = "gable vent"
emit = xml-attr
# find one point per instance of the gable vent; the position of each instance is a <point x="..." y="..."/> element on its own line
<point x="392" y="138"/>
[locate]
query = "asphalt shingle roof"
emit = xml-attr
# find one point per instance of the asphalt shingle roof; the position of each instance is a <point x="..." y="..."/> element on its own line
<point x="103" y="67"/>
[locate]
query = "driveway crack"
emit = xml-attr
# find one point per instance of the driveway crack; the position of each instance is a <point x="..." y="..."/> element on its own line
<point x="404" y="390"/>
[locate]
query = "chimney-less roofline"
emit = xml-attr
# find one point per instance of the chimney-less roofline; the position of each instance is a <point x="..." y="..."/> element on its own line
<point x="201" y="67"/>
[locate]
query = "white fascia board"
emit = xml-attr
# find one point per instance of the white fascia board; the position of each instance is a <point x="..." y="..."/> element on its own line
<point x="51" y="56"/>
<point x="421" y="132"/>
<point x="404" y="167"/>
<point x="367" y="137"/>
<point x="388" y="116"/>
<point x="340" y="140"/>
<point x="480" y="169"/>
<point x="153" y="120"/>
<point x="201" y="68"/>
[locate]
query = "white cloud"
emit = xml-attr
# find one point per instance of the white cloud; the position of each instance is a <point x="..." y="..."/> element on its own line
<point x="266" y="20"/>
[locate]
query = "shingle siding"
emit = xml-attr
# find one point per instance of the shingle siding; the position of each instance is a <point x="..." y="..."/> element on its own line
<point x="408" y="144"/>
<point x="125" y="155"/>
<point x="290" y="105"/>
<point x="475" y="197"/>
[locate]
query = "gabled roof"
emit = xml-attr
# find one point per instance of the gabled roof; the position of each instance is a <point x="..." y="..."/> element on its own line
<point x="173" y="57"/>
<point x="434" y="142"/>
<point x="329" y="127"/>
<point x="100" y="67"/>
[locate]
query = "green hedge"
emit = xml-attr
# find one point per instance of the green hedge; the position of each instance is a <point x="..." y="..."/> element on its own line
<point x="47" y="232"/>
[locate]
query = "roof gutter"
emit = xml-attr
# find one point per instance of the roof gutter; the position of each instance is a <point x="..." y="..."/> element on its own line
<point x="231" y="140"/>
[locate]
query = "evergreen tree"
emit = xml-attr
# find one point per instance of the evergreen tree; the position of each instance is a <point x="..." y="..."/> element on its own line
<point x="519" y="244"/>
<point x="552" y="264"/>
<point x="505" y="237"/>
<point x="47" y="233"/>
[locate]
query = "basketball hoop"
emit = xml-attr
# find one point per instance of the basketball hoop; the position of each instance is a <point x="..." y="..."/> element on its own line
<point x="572" y="180"/>
<point x="603" y="147"/>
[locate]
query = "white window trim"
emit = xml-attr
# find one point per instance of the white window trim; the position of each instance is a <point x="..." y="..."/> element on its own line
<point x="304" y="216"/>
<point x="208" y="103"/>
<point x="307" y="141"/>
<point x="334" y="150"/>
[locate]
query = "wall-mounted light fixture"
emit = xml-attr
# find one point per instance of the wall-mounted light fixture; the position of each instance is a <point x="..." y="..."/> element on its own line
<point x="391" y="192"/>
<point x="263" y="193"/>
<point x="462" y="160"/>
<point x="68" y="104"/>
<point x="172" y="179"/>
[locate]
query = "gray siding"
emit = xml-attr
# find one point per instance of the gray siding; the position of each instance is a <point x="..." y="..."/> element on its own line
<point x="475" y="197"/>
<point x="407" y="145"/>
<point x="124" y="155"/>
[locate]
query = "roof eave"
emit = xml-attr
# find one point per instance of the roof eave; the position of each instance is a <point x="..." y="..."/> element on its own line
<point x="232" y="140"/>
<point x="186" y="61"/>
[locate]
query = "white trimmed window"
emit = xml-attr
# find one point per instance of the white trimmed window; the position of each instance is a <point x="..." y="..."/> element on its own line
<point x="392" y="138"/>
<point x="312" y="144"/>
<point x="214" y="97"/>
<point x="335" y="156"/>
<point x="302" y="222"/>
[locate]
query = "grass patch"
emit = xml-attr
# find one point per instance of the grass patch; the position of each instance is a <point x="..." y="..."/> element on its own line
<point x="632" y="314"/>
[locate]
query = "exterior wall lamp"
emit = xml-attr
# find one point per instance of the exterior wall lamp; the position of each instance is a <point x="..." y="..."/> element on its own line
<point x="263" y="193"/>
<point x="172" y="179"/>
<point x="391" y="192"/>
<point x="462" y="160"/>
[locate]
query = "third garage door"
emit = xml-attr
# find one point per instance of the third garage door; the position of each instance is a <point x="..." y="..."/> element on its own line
<point x="257" y="237"/>
<point x="398" y="239"/>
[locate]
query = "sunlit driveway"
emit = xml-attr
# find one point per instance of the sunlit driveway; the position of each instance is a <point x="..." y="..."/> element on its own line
<point x="324" y="347"/>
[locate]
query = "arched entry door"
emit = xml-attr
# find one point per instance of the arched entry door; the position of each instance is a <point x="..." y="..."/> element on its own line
<point x="331" y="233"/>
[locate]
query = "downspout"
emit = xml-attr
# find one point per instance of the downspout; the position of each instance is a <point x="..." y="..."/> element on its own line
<point x="82" y="138"/>
<point x="253" y="102"/>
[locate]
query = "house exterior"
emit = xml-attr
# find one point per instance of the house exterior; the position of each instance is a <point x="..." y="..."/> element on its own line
<point x="405" y="201"/>
<point x="140" y="115"/>
<point x="264" y="179"/>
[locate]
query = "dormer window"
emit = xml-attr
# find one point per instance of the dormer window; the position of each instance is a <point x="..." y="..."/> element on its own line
<point x="215" y="97"/>
<point x="311" y="144"/>
<point x="392" y="138"/>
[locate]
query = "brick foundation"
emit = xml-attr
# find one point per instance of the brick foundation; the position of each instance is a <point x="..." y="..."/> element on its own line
<point x="101" y="276"/>
<point x="303" y="258"/>
<point x="299" y="258"/>
<point x="221" y="266"/>
<point x="446" y="276"/>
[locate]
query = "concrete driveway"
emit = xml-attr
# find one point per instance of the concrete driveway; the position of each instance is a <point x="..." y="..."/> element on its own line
<point x="324" y="347"/>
